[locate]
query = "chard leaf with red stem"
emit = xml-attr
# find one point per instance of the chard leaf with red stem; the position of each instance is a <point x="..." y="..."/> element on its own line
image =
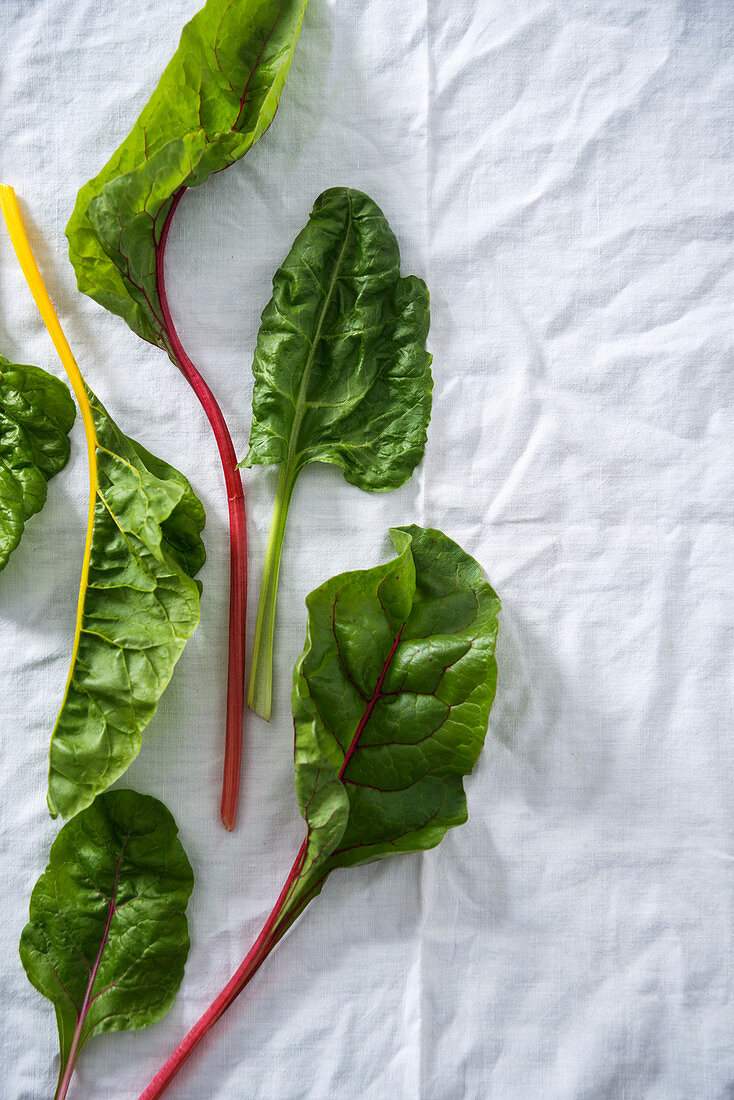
<point x="108" y="938"/>
<point x="216" y="98"/>
<point x="391" y="699"/>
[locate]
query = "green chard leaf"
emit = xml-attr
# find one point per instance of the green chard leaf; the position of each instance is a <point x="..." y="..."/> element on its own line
<point x="138" y="606"/>
<point x="36" y="416"/>
<point x="341" y="374"/>
<point x="215" y="99"/>
<point x="391" y="699"/>
<point x="108" y="938"/>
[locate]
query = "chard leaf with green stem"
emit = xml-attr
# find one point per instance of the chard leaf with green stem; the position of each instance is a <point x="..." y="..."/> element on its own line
<point x="391" y="699"/>
<point x="36" y="416"/>
<point x="108" y="938"/>
<point x="216" y="98"/>
<point x="342" y="375"/>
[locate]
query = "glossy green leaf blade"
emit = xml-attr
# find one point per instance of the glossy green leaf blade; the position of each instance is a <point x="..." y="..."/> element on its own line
<point x="216" y="98"/>
<point x="140" y="606"/>
<point x="108" y="938"/>
<point x="342" y="374"/>
<point x="341" y="370"/>
<point x="36" y="415"/>
<point x="391" y="700"/>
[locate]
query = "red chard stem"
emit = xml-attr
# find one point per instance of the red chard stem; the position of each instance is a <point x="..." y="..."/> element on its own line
<point x="237" y="540"/>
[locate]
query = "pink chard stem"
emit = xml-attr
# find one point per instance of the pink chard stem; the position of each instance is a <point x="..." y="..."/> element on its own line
<point x="76" y="1042"/>
<point x="302" y="884"/>
<point x="277" y="924"/>
<point x="237" y="540"/>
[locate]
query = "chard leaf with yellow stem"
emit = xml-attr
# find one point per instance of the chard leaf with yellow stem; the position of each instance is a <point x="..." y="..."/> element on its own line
<point x="138" y="600"/>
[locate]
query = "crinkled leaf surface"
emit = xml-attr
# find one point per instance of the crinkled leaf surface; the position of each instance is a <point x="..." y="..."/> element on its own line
<point x="341" y="370"/>
<point x="391" y="699"/>
<point x="342" y="374"/>
<point x="107" y="939"/>
<point x="36" y="415"/>
<point x="139" y="605"/>
<point x="215" y="99"/>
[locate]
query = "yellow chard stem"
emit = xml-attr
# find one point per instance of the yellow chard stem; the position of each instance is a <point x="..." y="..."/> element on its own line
<point x="21" y="244"/>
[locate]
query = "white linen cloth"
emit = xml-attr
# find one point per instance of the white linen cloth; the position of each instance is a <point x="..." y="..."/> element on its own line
<point x="560" y="173"/>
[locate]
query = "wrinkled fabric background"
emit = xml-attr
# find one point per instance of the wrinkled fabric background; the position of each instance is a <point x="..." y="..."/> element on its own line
<point x="560" y="173"/>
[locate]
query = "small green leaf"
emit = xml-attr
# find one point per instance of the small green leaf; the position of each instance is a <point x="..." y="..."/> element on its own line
<point x="391" y="699"/>
<point x="215" y="99"/>
<point x="342" y="374"/>
<point x="139" y="604"/>
<point x="108" y="938"/>
<point x="36" y="415"/>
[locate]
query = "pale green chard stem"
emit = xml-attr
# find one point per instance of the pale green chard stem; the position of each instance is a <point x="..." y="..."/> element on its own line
<point x="260" y="690"/>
